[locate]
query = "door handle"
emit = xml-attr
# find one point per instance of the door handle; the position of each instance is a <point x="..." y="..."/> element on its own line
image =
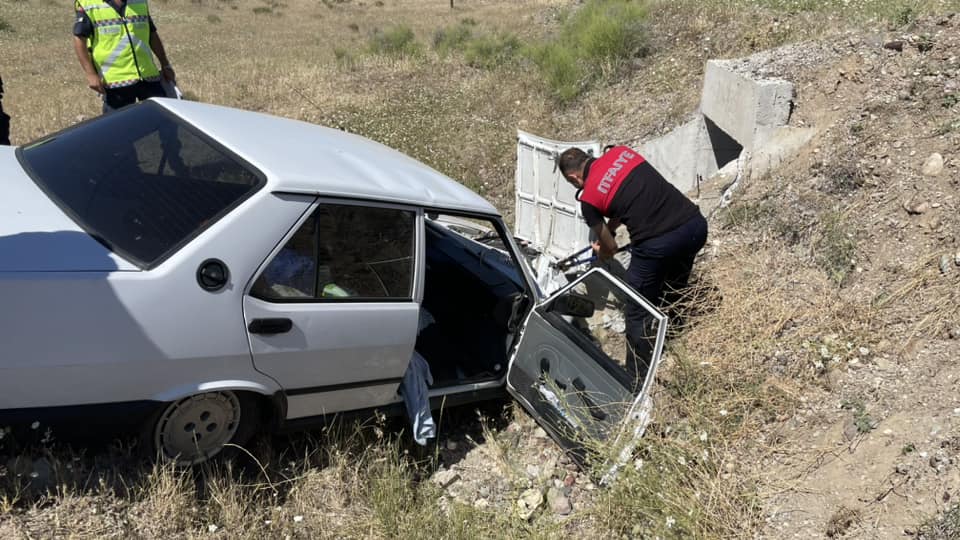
<point x="280" y="325"/>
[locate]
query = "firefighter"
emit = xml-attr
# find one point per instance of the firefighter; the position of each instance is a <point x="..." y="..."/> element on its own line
<point x="113" y="40"/>
<point x="666" y="228"/>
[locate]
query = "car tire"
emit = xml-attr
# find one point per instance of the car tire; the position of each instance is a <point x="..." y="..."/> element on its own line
<point x="198" y="428"/>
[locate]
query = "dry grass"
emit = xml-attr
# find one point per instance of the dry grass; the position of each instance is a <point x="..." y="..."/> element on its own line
<point x="766" y="308"/>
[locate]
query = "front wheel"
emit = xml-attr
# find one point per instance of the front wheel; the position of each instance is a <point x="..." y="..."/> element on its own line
<point x="197" y="428"/>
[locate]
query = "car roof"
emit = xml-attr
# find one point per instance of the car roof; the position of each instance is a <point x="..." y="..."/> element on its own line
<point x="298" y="157"/>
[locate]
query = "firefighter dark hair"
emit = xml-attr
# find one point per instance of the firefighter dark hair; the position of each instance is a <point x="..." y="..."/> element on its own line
<point x="572" y="160"/>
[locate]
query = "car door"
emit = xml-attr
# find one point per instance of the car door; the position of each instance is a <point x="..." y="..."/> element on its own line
<point x="584" y="366"/>
<point x="332" y="315"/>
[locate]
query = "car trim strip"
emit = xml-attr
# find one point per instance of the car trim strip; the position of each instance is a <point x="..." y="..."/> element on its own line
<point x="342" y="386"/>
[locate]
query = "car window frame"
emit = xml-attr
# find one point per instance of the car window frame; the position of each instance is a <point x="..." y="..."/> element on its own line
<point x="174" y="249"/>
<point x="418" y="243"/>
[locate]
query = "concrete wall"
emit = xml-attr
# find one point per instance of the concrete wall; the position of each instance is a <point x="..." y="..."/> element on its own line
<point x="739" y="112"/>
<point x="748" y="108"/>
<point x="681" y="154"/>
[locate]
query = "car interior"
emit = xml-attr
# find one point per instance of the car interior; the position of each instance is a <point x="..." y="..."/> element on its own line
<point x="474" y="294"/>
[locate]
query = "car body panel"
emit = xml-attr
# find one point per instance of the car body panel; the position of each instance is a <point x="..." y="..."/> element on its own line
<point x="36" y="236"/>
<point x="359" y="344"/>
<point x="87" y="337"/>
<point x="298" y="157"/>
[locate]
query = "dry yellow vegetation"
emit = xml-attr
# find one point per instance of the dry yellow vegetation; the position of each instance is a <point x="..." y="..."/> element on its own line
<point x="763" y="400"/>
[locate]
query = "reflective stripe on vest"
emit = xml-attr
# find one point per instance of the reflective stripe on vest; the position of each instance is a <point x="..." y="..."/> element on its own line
<point x="606" y="174"/>
<point x="120" y="45"/>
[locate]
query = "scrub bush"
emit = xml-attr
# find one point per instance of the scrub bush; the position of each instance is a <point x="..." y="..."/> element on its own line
<point x="395" y="41"/>
<point x="593" y="41"/>
<point x="447" y="40"/>
<point x="492" y="51"/>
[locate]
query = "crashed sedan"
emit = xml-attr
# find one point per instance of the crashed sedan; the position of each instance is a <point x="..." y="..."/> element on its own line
<point x="202" y="274"/>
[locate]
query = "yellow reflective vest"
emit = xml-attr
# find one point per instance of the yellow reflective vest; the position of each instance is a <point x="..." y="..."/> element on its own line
<point x="120" y="46"/>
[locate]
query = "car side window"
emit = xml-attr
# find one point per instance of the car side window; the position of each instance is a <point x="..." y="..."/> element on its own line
<point x="343" y="253"/>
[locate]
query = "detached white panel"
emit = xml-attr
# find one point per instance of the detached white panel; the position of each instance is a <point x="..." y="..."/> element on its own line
<point x="548" y="214"/>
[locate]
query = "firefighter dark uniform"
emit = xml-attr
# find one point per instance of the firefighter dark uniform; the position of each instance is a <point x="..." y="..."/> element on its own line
<point x="666" y="228"/>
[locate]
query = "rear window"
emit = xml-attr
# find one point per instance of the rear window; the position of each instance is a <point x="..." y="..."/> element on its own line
<point x="140" y="180"/>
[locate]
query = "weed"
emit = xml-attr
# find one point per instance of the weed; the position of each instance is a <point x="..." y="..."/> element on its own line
<point x="950" y="100"/>
<point x="862" y="420"/>
<point x="748" y="213"/>
<point x="945" y="526"/>
<point x="446" y="40"/>
<point x="908" y="449"/>
<point x="492" y="51"/>
<point x="765" y="216"/>
<point x="835" y="247"/>
<point x="561" y="71"/>
<point x="841" y="521"/>
<point x="593" y="40"/>
<point x="262" y="10"/>
<point x="842" y="175"/>
<point x="344" y="57"/>
<point x="214" y="19"/>
<point x="5" y="26"/>
<point x="947" y="127"/>
<point x="905" y="16"/>
<point x="396" y="41"/>
<point x="925" y="43"/>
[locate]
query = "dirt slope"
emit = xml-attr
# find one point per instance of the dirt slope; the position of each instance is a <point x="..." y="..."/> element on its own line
<point x="871" y="448"/>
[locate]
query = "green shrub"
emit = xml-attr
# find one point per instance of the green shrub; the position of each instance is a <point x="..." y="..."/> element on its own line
<point x="492" y="51"/>
<point x="561" y="69"/>
<point x="446" y="40"/>
<point x="397" y="41"/>
<point x="262" y="10"/>
<point x="599" y="36"/>
<point x="5" y="26"/>
<point x="605" y="30"/>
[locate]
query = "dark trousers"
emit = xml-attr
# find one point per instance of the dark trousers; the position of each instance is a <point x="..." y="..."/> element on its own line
<point x="115" y="98"/>
<point x="4" y="126"/>
<point x="659" y="270"/>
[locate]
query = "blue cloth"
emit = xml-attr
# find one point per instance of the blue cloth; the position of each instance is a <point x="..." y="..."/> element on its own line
<point x="292" y="269"/>
<point x="416" y="398"/>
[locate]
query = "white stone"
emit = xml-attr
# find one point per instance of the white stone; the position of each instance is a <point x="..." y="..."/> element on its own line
<point x="933" y="165"/>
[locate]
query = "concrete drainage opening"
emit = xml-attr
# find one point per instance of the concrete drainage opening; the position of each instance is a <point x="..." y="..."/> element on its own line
<point x="725" y="148"/>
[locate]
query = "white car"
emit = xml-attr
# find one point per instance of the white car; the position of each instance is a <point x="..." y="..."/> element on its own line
<point x="202" y="273"/>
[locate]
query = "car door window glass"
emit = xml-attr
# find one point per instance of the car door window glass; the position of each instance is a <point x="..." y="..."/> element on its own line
<point x="293" y="271"/>
<point x="344" y="252"/>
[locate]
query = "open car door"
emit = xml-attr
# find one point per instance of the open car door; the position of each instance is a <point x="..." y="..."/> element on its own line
<point x="584" y="368"/>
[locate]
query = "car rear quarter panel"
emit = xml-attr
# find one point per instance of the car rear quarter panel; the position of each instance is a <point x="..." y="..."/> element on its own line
<point x="72" y="338"/>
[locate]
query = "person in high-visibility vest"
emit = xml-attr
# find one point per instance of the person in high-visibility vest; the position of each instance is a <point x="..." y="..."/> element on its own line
<point x="666" y="229"/>
<point x="4" y="120"/>
<point x="113" y="40"/>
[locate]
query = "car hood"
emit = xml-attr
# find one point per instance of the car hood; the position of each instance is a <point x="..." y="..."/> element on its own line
<point x="36" y="236"/>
